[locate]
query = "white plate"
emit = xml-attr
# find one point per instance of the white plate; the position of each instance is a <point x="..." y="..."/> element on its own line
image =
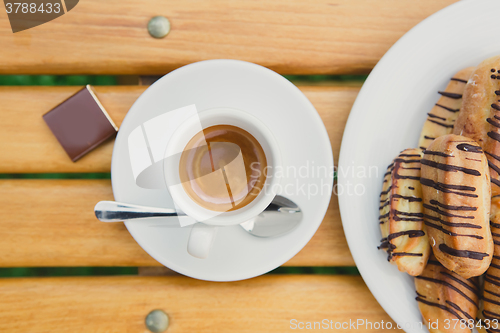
<point x="302" y="138"/>
<point x="387" y="117"/>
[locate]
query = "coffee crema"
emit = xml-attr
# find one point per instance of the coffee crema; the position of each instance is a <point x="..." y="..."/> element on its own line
<point x="223" y="168"/>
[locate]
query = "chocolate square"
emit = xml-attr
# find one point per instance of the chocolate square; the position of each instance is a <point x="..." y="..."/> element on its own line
<point x="80" y="123"/>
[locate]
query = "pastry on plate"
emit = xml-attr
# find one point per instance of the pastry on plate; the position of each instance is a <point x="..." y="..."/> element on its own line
<point x="456" y="200"/>
<point x="479" y="117"/>
<point x="445" y="297"/>
<point x="441" y="118"/>
<point x="491" y="291"/>
<point x="401" y="214"/>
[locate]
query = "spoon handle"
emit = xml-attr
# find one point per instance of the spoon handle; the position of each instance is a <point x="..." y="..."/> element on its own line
<point x="112" y="211"/>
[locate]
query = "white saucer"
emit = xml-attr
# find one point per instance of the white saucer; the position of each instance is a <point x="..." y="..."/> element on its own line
<point x="303" y="141"/>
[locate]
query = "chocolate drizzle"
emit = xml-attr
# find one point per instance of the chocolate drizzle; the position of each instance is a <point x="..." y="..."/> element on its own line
<point x="463" y="283"/>
<point x="403" y="254"/>
<point x="492" y="122"/>
<point x="450" y="168"/>
<point x="440" y="228"/>
<point x="437" y="153"/>
<point x="494" y="136"/>
<point x="440" y="124"/>
<point x="458" y="80"/>
<point x="491" y="293"/>
<point x="443" y="307"/>
<point x="386" y="245"/>
<point x="494" y="265"/>
<point x="448" y="188"/>
<point x="450" y="95"/>
<point x="434" y="116"/>
<point x="383" y="216"/>
<point x="452" y="224"/>
<point x="443" y="213"/>
<point x="410" y="199"/>
<point x="486" y="299"/>
<point x="409" y="233"/>
<point x="401" y="160"/>
<point x="451" y="207"/>
<point x="469" y="148"/>
<point x="456" y="307"/>
<point x="494" y="167"/>
<point x="489" y="314"/>
<point x="385" y="204"/>
<point x="448" y="285"/>
<point x="491" y="279"/>
<point x="408" y="217"/>
<point x="420" y="295"/>
<point x="409" y="155"/>
<point x="447" y="108"/>
<point x="462" y="253"/>
<point x="386" y="191"/>
<point x="495" y="181"/>
<point x="398" y="176"/>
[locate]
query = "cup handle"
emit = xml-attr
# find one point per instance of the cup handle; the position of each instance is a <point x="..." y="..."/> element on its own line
<point x="200" y="240"/>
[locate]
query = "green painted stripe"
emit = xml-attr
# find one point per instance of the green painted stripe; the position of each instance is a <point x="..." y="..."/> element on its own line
<point x="66" y="271"/>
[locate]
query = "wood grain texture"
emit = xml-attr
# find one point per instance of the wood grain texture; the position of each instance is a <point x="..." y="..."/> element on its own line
<point x="120" y="304"/>
<point x="27" y="145"/>
<point x="57" y="227"/>
<point x="291" y="37"/>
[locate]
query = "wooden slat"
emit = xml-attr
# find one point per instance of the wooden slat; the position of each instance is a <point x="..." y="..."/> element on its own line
<point x="120" y="304"/>
<point x="295" y="37"/>
<point x="68" y="235"/>
<point x="52" y="223"/>
<point x="27" y="145"/>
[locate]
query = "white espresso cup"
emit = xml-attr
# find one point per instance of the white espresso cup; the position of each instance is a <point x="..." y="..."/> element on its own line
<point x="203" y="233"/>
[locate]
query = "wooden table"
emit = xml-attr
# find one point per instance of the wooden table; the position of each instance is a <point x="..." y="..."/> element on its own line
<point x="50" y="222"/>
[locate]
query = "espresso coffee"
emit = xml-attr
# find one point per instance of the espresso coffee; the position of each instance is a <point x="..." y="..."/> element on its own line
<point x="222" y="168"/>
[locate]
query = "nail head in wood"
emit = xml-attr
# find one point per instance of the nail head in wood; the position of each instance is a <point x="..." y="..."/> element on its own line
<point x="157" y="321"/>
<point x="159" y="26"/>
